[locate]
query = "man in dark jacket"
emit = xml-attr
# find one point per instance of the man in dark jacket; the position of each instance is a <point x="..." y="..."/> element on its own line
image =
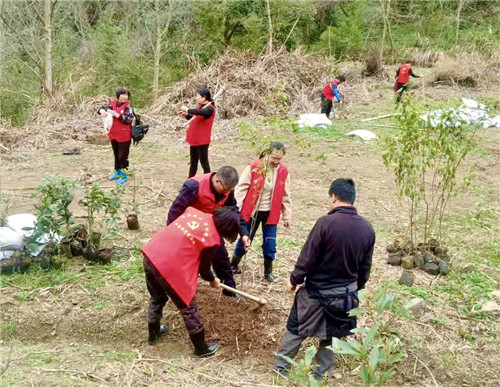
<point x="334" y="264"/>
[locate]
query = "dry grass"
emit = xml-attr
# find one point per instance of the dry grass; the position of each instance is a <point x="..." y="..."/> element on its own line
<point x="467" y="69"/>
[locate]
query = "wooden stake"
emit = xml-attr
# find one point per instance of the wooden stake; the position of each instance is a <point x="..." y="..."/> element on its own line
<point x="379" y="117"/>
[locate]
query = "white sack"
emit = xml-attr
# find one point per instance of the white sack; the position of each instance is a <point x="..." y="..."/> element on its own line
<point x="9" y="239"/>
<point x="364" y="134"/>
<point x="312" y="120"/>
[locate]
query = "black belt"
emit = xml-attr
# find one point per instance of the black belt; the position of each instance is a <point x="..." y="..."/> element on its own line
<point x="335" y="291"/>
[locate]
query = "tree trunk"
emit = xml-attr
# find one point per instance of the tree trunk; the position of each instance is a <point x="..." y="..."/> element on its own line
<point x="459" y="11"/>
<point x="1" y="53"/>
<point x="47" y="21"/>
<point x="160" y="33"/>
<point x="269" y="20"/>
<point x="156" y="77"/>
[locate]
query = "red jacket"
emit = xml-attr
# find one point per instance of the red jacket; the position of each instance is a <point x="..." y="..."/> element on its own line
<point x="404" y="73"/>
<point x="119" y="131"/>
<point x="327" y="90"/>
<point x="175" y="250"/>
<point x="206" y="198"/>
<point x="255" y="188"/>
<point x="200" y="129"/>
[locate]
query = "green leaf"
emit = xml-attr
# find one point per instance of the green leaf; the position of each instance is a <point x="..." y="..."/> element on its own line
<point x="386" y="303"/>
<point x="356" y="312"/>
<point x="288" y="359"/>
<point x="359" y="330"/>
<point x="373" y="359"/>
<point x="365" y="376"/>
<point x="313" y="382"/>
<point x="345" y="347"/>
<point x="309" y="356"/>
<point x="370" y="335"/>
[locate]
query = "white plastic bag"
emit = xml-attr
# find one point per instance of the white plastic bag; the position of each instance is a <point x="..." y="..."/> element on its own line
<point x="312" y="120"/>
<point x="23" y="224"/>
<point x="363" y="134"/>
<point x="107" y="122"/>
<point x="9" y="239"/>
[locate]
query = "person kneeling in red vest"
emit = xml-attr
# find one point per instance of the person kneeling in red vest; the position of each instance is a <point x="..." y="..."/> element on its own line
<point x="172" y="260"/>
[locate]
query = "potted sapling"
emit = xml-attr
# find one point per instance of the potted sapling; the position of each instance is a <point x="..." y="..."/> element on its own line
<point x="54" y="218"/>
<point x="102" y="210"/>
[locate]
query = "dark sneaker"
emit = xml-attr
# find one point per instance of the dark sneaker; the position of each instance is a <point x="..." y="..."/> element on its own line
<point x="209" y="351"/>
<point x="155" y="332"/>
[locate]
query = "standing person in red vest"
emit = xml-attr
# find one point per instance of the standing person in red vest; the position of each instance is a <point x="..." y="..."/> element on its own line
<point x="172" y="260"/>
<point x="329" y="91"/>
<point x="207" y="193"/>
<point x="120" y="132"/>
<point x="403" y="74"/>
<point x="263" y="195"/>
<point x="200" y="130"/>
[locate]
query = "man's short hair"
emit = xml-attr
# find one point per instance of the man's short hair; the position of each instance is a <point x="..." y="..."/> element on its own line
<point x="343" y="189"/>
<point x="342" y="78"/>
<point x="228" y="175"/>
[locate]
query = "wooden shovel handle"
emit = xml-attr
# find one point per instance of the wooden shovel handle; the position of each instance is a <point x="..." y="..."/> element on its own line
<point x="261" y="301"/>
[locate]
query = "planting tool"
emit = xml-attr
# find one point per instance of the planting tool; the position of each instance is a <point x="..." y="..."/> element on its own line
<point x="261" y="301"/>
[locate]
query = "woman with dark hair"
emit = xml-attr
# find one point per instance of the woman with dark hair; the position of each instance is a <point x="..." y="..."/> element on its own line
<point x="172" y="260"/>
<point x="120" y="132"/>
<point x="200" y="130"/>
<point x="263" y="195"/>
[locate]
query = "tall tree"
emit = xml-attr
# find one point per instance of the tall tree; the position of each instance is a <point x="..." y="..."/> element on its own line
<point x="47" y="23"/>
<point x="161" y="31"/>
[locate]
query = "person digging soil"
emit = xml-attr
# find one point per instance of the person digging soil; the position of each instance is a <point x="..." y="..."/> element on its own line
<point x="172" y="260"/>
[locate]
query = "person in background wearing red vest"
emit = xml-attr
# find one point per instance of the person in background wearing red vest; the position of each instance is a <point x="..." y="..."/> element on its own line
<point x="200" y="130"/>
<point x="327" y="94"/>
<point x="120" y="132"/>
<point x="263" y="194"/>
<point x="207" y="193"/>
<point x="172" y="260"/>
<point x="403" y="74"/>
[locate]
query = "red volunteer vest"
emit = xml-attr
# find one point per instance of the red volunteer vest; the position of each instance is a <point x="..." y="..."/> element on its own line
<point x="255" y="188"/>
<point x="206" y="198"/>
<point x="175" y="250"/>
<point x="119" y="131"/>
<point x="327" y="90"/>
<point x="200" y="129"/>
<point x="404" y="74"/>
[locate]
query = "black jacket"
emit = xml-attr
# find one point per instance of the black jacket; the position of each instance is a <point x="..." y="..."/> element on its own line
<point x="338" y="251"/>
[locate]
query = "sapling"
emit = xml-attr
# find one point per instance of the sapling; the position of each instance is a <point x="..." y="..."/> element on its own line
<point x="424" y="156"/>
<point x="97" y="201"/>
<point x="378" y="349"/>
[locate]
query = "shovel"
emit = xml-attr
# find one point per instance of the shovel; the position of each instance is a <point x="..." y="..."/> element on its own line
<point x="261" y="301"/>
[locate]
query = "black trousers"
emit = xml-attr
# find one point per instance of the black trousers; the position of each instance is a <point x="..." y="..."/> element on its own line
<point x="401" y="88"/>
<point x="121" y="151"/>
<point x="200" y="153"/>
<point x="160" y="292"/>
<point x="326" y="105"/>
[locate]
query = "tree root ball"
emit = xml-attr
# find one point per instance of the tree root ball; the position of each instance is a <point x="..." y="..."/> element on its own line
<point x="132" y="222"/>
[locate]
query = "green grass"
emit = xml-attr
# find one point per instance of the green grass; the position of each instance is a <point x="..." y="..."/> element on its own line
<point x="90" y="275"/>
<point x="467" y="290"/>
<point x="8" y="328"/>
